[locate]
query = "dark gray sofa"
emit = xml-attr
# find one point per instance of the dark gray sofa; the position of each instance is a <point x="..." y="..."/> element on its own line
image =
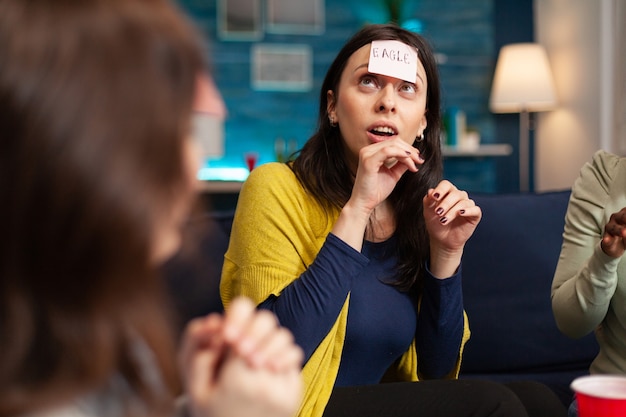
<point x="508" y="266"/>
<point x="507" y="274"/>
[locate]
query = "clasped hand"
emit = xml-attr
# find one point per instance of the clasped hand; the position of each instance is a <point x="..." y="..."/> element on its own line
<point x="241" y="364"/>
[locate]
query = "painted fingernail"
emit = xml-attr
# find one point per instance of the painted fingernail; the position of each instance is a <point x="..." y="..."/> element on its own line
<point x="462" y="211"/>
<point x="436" y="195"/>
<point x="439" y="211"/>
<point x="408" y="152"/>
<point x="443" y="219"/>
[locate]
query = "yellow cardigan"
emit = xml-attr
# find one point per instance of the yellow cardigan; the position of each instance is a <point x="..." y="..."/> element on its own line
<point x="277" y="232"/>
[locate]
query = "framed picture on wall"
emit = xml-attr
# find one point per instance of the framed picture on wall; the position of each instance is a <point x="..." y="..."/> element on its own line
<point x="295" y="16"/>
<point x="282" y="67"/>
<point x="239" y="20"/>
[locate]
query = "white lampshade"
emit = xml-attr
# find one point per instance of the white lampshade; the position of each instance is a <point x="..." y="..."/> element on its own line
<point x="523" y="80"/>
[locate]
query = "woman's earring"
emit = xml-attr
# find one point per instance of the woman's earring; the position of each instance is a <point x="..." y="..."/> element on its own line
<point x="420" y="138"/>
<point x="332" y="121"/>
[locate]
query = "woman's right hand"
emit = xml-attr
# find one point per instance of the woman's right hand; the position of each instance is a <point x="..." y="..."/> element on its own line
<point x="381" y="165"/>
<point x="614" y="239"/>
<point x="241" y="364"/>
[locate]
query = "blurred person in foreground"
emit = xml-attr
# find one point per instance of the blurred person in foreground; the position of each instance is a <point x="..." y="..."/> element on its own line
<point x="97" y="177"/>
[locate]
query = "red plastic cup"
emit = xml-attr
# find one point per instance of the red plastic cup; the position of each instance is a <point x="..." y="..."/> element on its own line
<point x="251" y="159"/>
<point x="600" y="395"/>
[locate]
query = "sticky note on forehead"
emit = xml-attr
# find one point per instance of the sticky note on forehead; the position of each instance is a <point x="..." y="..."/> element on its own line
<point x="394" y="59"/>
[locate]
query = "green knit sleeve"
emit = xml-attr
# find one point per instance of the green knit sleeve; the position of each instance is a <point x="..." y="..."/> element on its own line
<point x="585" y="277"/>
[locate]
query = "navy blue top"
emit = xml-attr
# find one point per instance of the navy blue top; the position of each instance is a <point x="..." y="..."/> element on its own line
<point x="382" y="320"/>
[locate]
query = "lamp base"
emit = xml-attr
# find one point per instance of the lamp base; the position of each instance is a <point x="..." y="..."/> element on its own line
<point x="524" y="152"/>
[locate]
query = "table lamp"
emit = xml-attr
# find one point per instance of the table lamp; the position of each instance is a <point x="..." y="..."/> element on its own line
<point x="522" y="83"/>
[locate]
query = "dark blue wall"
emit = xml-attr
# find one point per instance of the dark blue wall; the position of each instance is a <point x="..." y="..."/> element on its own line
<point x="467" y="33"/>
<point x="513" y="22"/>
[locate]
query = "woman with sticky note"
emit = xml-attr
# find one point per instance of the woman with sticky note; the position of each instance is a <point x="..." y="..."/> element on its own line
<point x="356" y="245"/>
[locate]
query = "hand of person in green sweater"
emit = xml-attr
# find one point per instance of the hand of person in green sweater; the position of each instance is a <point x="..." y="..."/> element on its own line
<point x="614" y="239"/>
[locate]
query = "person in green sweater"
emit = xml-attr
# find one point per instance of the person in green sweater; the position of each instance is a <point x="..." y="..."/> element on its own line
<point x="356" y="246"/>
<point x="589" y="286"/>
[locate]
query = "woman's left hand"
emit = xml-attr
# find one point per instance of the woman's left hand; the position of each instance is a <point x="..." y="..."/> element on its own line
<point x="451" y="218"/>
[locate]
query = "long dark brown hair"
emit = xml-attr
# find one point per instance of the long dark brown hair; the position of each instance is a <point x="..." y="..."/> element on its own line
<point x="322" y="167"/>
<point x="95" y="103"/>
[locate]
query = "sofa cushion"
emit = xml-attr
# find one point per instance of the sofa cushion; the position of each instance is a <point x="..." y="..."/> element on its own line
<point x="508" y="267"/>
<point x="192" y="276"/>
<point x="507" y="274"/>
